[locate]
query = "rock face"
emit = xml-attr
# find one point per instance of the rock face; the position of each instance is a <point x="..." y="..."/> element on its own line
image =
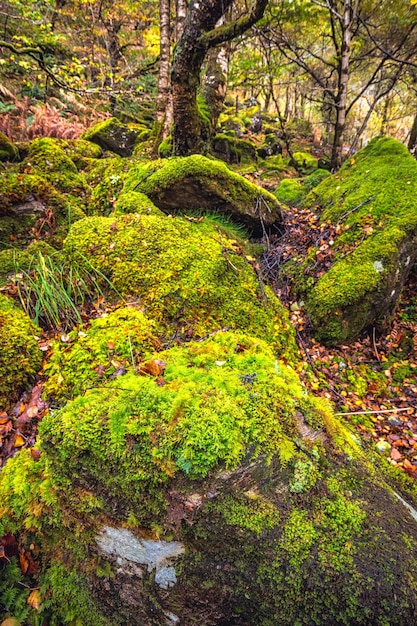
<point x="113" y="135"/>
<point x="372" y="202"/>
<point x="198" y="183"/>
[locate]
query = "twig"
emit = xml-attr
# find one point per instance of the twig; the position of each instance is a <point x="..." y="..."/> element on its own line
<point x="379" y="411"/>
<point x="374" y="344"/>
<point x="352" y="210"/>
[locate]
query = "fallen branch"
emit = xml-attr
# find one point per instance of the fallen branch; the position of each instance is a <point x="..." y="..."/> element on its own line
<point x="379" y="411"/>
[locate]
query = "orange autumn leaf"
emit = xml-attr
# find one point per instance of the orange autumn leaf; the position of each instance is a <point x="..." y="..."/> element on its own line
<point x="34" y="599"/>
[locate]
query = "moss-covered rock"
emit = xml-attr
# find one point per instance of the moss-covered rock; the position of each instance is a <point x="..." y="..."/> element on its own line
<point x="106" y="177"/>
<point x="46" y="158"/>
<point x="8" y="151"/>
<point x="373" y="201"/>
<point x="196" y="182"/>
<point x="113" y="135"/>
<point x="232" y="149"/>
<point x="30" y="207"/>
<point x="136" y="202"/>
<point x="189" y="276"/>
<point x="20" y="357"/>
<point x="305" y="162"/>
<point x="80" y="151"/>
<point x="213" y="490"/>
<point x="113" y="344"/>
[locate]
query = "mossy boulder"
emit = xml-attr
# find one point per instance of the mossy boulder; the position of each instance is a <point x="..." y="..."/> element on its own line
<point x="196" y="183"/>
<point x="20" y="357"/>
<point x="214" y="490"/>
<point x="46" y="158"/>
<point x="305" y="162"/>
<point x="232" y="149"/>
<point x="135" y="202"/>
<point x="106" y="178"/>
<point x="30" y="207"/>
<point x="80" y="151"/>
<point x="372" y="201"/>
<point x="113" y="135"/>
<point x="188" y="276"/>
<point x="8" y="150"/>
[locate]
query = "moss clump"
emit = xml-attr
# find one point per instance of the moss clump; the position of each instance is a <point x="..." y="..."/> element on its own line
<point x="197" y="182"/>
<point x="188" y="276"/>
<point x="20" y="357"/>
<point x="218" y="399"/>
<point x="305" y="162"/>
<point x="80" y="151"/>
<point x="135" y="202"/>
<point x="111" y="346"/>
<point x="48" y="159"/>
<point x="373" y="201"/>
<point x="290" y="191"/>
<point x="112" y="135"/>
<point x="165" y="148"/>
<point x="233" y="149"/>
<point x="8" y="151"/>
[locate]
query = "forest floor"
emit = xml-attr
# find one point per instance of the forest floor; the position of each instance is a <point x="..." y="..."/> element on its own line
<point x="371" y="382"/>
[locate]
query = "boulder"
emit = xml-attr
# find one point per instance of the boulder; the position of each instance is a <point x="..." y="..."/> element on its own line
<point x="20" y="357"/>
<point x="208" y="487"/>
<point x="371" y="203"/>
<point x="199" y="183"/>
<point x="190" y="277"/>
<point x="8" y="151"/>
<point x="113" y="135"/>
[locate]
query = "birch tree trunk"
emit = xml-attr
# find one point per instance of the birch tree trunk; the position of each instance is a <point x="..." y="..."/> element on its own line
<point x="164" y="68"/>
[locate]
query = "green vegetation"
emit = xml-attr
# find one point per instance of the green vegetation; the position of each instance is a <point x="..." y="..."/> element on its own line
<point x="188" y="277"/>
<point x="373" y="198"/>
<point x="92" y="356"/>
<point x="20" y="357"/>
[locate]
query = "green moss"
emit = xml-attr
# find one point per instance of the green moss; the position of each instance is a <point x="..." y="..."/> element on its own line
<point x="290" y="191"/>
<point x="168" y="183"/>
<point x="373" y="200"/>
<point x="188" y="276"/>
<point x="135" y="202"/>
<point x="80" y="151"/>
<point x="305" y="162"/>
<point x="48" y="159"/>
<point x="8" y="151"/>
<point x="113" y="135"/>
<point x="106" y="178"/>
<point x="112" y="345"/>
<point x="35" y="197"/>
<point x="233" y="149"/>
<point x="20" y="357"/>
<point x="248" y="512"/>
<point x="165" y="148"/>
<point x="151" y="432"/>
<point x="11" y="260"/>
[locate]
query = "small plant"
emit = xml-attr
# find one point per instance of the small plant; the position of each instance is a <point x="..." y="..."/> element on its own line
<point x="53" y="291"/>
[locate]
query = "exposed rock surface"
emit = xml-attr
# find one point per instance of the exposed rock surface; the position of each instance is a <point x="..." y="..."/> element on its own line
<point x="113" y="135"/>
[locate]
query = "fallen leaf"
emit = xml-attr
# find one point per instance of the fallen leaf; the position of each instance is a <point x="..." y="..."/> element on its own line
<point x="19" y="441"/>
<point x="34" y="599"/>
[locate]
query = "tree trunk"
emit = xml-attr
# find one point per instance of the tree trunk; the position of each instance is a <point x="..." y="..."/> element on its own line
<point x="164" y="68"/>
<point x="215" y="80"/>
<point x="342" y="91"/>
<point x="199" y="35"/>
<point x="412" y="142"/>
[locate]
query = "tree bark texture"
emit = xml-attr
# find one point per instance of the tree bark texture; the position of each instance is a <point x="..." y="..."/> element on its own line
<point x="164" y="63"/>
<point x="199" y="35"/>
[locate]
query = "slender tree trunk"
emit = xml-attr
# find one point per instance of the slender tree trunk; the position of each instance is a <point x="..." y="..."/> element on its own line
<point x="181" y="14"/>
<point x="342" y="91"/>
<point x="164" y="68"/>
<point x="412" y="142"/>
